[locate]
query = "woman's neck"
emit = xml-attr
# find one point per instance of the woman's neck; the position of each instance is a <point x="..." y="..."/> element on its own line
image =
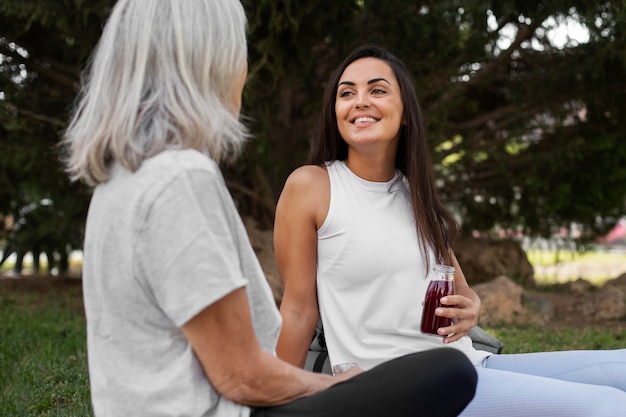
<point x="375" y="167"/>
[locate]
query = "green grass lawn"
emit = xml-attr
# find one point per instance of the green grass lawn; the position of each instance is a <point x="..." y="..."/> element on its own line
<point x="597" y="267"/>
<point x="43" y="360"/>
<point x="552" y="257"/>
<point x="522" y="339"/>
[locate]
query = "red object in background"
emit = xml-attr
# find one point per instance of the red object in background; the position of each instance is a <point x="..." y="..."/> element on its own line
<point x="618" y="233"/>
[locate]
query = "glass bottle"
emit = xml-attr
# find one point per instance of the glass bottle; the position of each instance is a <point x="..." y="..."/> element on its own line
<point x="441" y="283"/>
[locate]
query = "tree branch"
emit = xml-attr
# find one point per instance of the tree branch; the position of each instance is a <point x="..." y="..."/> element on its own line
<point x="34" y="116"/>
<point x="524" y="33"/>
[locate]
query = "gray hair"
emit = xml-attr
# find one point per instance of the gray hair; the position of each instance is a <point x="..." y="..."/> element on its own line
<point x="162" y="76"/>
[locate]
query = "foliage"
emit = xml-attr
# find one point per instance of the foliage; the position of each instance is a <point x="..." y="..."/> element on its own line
<point x="525" y="134"/>
<point x="42" y="48"/>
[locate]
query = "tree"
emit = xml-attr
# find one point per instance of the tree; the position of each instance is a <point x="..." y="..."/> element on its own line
<point x="524" y="134"/>
<point x="42" y="48"/>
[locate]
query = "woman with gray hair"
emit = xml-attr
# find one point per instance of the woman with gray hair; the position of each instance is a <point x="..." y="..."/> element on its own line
<point x="180" y="318"/>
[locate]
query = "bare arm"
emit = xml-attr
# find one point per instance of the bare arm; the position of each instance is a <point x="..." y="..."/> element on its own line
<point x="464" y="306"/>
<point x="223" y="338"/>
<point x="301" y="210"/>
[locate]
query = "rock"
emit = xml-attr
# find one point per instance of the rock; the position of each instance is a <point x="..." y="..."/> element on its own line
<point x="540" y="307"/>
<point x="609" y="303"/>
<point x="484" y="259"/>
<point x="501" y="302"/>
<point x="605" y="304"/>
<point x="601" y="304"/>
<point x="580" y="287"/>
<point x="619" y="282"/>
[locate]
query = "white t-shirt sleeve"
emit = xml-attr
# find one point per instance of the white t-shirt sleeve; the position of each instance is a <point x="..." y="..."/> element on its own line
<point x="186" y="245"/>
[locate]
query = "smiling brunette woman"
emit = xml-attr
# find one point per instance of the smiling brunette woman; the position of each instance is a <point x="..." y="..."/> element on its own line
<point x="357" y="234"/>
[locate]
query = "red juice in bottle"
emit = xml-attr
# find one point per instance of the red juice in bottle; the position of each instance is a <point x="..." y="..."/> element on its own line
<point x="441" y="284"/>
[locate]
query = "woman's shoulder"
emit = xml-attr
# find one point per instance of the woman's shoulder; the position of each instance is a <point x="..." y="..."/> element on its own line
<point x="307" y="189"/>
<point x="308" y="175"/>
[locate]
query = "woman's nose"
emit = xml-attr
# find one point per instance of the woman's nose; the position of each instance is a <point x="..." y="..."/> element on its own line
<point x="362" y="101"/>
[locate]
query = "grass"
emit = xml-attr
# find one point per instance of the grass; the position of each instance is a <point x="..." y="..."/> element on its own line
<point x="540" y="257"/>
<point x="43" y="360"/>
<point x="597" y="267"/>
<point x="522" y="339"/>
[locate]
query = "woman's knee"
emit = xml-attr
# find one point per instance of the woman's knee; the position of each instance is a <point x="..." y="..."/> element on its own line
<point x="611" y="403"/>
<point x="456" y="362"/>
<point x="450" y="368"/>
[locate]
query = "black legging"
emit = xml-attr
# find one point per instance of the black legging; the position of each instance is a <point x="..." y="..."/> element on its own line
<point x="438" y="382"/>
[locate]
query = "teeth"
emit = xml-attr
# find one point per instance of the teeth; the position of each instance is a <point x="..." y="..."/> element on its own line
<point x="365" y="120"/>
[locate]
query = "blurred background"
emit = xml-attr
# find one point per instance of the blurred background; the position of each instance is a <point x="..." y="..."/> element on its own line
<point x="523" y="101"/>
<point x="524" y="105"/>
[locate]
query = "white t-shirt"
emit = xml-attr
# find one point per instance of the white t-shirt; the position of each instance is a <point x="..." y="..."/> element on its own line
<point x="161" y="245"/>
<point x="371" y="275"/>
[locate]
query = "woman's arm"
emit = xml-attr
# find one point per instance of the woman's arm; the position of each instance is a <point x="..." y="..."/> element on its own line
<point x="223" y="338"/>
<point x="301" y="210"/>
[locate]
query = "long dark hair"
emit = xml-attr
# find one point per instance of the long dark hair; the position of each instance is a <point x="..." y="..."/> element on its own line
<point x="435" y="226"/>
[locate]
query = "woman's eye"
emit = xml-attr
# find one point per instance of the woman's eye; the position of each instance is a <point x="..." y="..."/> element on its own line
<point x="378" y="91"/>
<point x="345" y="93"/>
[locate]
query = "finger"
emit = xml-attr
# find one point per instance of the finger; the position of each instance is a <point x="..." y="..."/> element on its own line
<point x="349" y="373"/>
<point x="458" y="327"/>
<point x="454" y="313"/>
<point x="456" y="300"/>
<point x="453" y="337"/>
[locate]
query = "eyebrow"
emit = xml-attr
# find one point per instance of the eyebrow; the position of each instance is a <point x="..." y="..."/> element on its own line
<point x="372" y="81"/>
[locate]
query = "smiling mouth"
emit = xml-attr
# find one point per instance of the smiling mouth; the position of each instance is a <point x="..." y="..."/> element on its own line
<point x="364" y="120"/>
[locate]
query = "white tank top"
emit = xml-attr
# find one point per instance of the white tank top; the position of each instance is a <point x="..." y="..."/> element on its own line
<point x="371" y="275"/>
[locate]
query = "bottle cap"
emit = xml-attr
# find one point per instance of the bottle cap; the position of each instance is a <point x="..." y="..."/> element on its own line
<point x="446" y="270"/>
